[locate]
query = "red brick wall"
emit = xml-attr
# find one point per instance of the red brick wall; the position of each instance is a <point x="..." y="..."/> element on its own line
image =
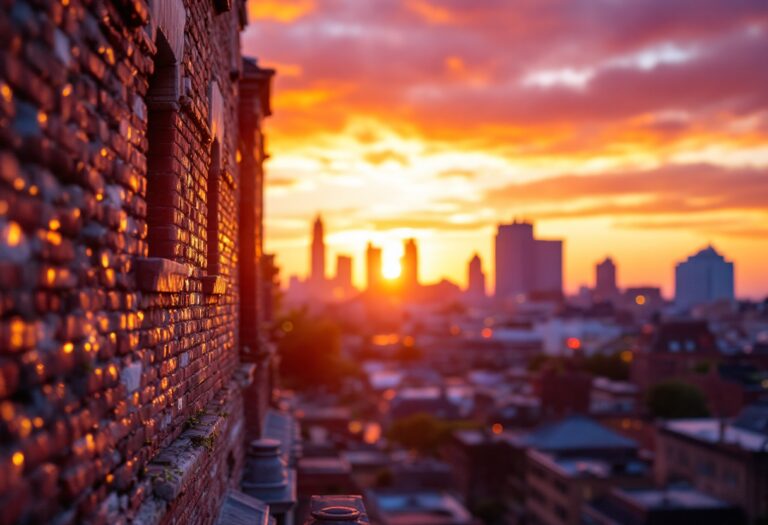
<point x="102" y="369"/>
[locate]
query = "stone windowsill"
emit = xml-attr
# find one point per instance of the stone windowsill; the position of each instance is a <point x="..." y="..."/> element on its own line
<point x="156" y="274"/>
<point x="214" y="285"/>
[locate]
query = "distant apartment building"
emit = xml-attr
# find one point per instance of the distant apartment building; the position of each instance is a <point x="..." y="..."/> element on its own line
<point x="664" y="506"/>
<point x="703" y="278"/>
<point x="728" y="462"/>
<point x="373" y="267"/>
<point x="643" y="302"/>
<point x="343" y="278"/>
<point x="527" y="267"/>
<point x="317" y="269"/>
<point x="476" y="279"/>
<point x="560" y="487"/>
<point x="605" y="281"/>
<point x="394" y="507"/>
<point x="410" y="265"/>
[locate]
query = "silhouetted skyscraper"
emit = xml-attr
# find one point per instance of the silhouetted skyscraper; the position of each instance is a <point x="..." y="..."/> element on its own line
<point x="476" y="278"/>
<point x="410" y="265"/>
<point x="317" y="269"/>
<point x="527" y="266"/>
<point x="344" y="271"/>
<point x="605" y="280"/>
<point x="703" y="278"/>
<point x="373" y="266"/>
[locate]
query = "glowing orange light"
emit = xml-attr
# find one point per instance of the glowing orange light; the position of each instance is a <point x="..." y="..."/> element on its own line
<point x="110" y="478"/>
<point x="355" y="427"/>
<point x="26" y="427"/>
<point x="6" y="410"/>
<point x="33" y="190"/>
<point x="573" y="343"/>
<point x="238" y="156"/>
<point x="385" y="339"/>
<point x="42" y="118"/>
<point x="67" y="90"/>
<point x="53" y="238"/>
<point x="105" y="260"/>
<point x="17" y="459"/>
<point x="13" y="234"/>
<point x="17" y="333"/>
<point x="6" y="92"/>
<point x="18" y="184"/>
<point x="640" y="300"/>
<point x="626" y="356"/>
<point x="497" y="428"/>
<point x="408" y="341"/>
<point x="487" y="333"/>
<point x="54" y="224"/>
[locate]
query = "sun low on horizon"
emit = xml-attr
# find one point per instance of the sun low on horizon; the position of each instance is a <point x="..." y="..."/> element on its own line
<point x="636" y="129"/>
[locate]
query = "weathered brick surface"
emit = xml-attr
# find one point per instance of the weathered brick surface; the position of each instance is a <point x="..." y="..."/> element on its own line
<point x="106" y="355"/>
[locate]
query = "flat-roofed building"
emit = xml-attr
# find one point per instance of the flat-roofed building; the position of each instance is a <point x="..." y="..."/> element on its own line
<point x="726" y="461"/>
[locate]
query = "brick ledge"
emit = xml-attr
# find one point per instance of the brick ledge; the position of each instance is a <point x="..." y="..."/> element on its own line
<point x="215" y="284"/>
<point x="156" y="274"/>
<point x="173" y="468"/>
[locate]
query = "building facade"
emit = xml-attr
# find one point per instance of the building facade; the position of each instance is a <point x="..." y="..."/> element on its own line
<point x="725" y="461"/>
<point x="410" y="265"/>
<point x="605" y="281"/>
<point x="475" y="279"/>
<point x="527" y="267"/>
<point x="373" y="267"/>
<point x="130" y="247"/>
<point x="703" y="278"/>
<point x="317" y="269"/>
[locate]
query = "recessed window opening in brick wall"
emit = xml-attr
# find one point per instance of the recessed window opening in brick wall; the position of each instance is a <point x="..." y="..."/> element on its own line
<point x="213" y="196"/>
<point x="163" y="187"/>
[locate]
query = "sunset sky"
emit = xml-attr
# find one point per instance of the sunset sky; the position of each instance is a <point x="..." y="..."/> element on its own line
<point x="635" y="128"/>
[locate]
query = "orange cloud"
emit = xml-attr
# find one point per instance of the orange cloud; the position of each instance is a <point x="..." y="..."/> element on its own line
<point x="455" y="64"/>
<point x="430" y="12"/>
<point x="305" y="98"/>
<point x="282" y="11"/>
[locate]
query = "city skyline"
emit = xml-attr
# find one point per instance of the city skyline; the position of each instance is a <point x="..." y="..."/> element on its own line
<point x="650" y="142"/>
<point x="393" y="265"/>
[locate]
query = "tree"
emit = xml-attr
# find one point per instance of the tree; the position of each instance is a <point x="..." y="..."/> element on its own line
<point x="611" y="366"/>
<point x="424" y="432"/>
<point x="676" y="399"/>
<point x="309" y="350"/>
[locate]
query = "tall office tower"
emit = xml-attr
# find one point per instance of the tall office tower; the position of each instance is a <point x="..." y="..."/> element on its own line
<point x="373" y="266"/>
<point x="317" y="270"/>
<point x="410" y="265"/>
<point x="605" y="281"/>
<point x="344" y="271"/>
<point x="476" y="278"/>
<point x="526" y="266"/>
<point x="514" y="249"/>
<point x="703" y="278"/>
<point x="547" y="267"/>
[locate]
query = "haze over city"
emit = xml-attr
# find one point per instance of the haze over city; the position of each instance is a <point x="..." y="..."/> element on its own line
<point x="384" y="262"/>
<point x="621" y="135"/>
